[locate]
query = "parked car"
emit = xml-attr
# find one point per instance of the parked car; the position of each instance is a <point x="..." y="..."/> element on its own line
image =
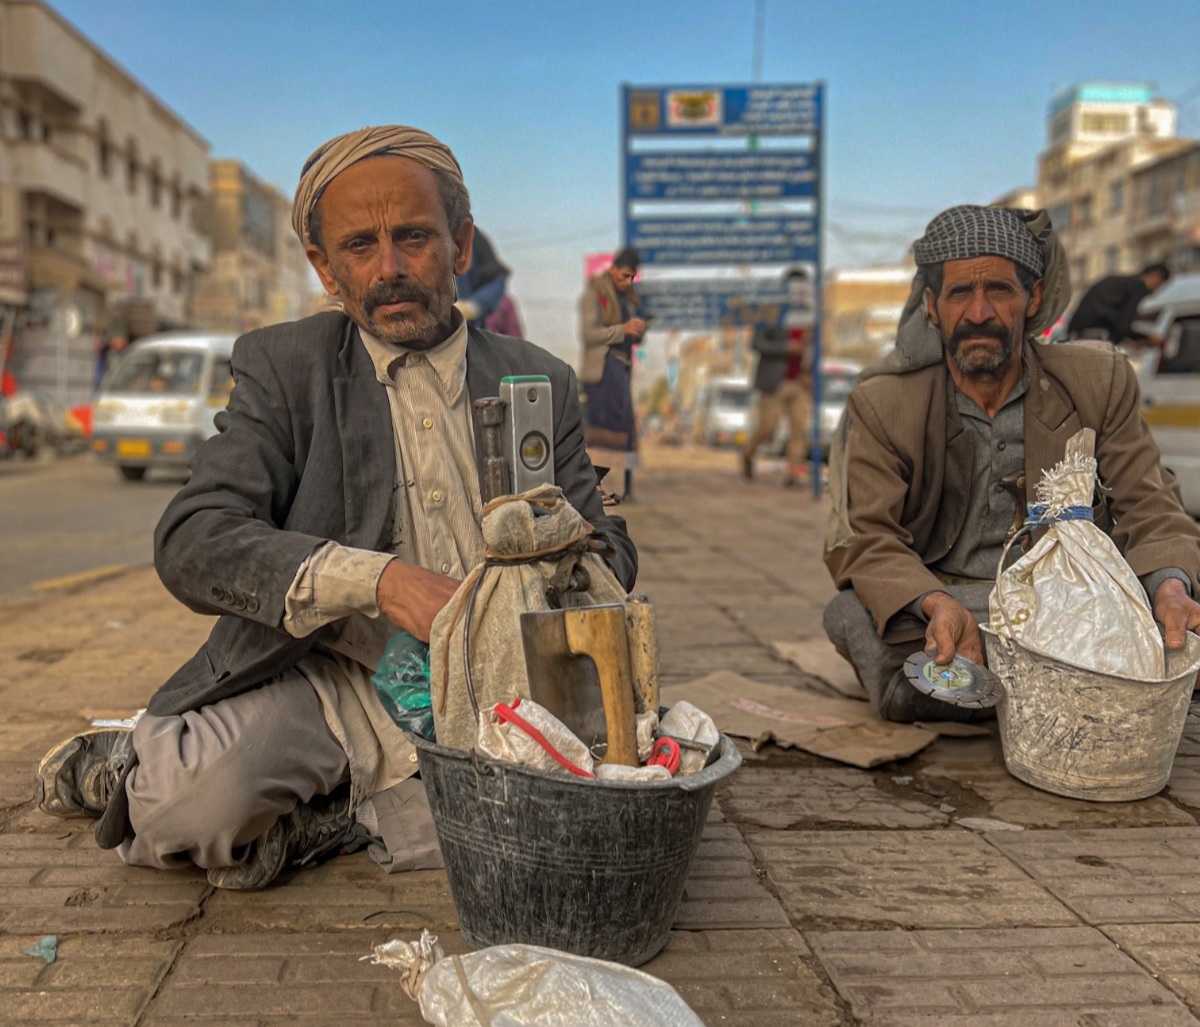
<point x="157" y="402"/>
<point x="724" y="412"/>
<point x="1170" y="380"/>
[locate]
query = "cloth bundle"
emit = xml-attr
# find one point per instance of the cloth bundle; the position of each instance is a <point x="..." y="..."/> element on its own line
<point x="536" y="558"/>
<point x="1073" y="597"/>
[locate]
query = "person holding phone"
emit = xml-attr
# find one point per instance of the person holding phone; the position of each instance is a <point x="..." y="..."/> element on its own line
<point x="610" y="326"/>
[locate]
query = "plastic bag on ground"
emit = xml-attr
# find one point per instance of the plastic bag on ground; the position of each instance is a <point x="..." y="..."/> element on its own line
<point x="686" y="722"/>
<point x="1073" y="597"/>
<point x="527" y="733"/>
<point x="529" y="986"/>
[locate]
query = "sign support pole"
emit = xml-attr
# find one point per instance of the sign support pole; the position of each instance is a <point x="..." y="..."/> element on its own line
<point x="818" y="297"/>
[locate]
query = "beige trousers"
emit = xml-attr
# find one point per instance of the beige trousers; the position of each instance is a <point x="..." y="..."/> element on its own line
<point x="211" y="781"/>
<point x="790" y="400"/>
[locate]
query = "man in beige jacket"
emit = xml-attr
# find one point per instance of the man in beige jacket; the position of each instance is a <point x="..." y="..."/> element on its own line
<point x="965" y="411"/>
<point x="609" y="328"/>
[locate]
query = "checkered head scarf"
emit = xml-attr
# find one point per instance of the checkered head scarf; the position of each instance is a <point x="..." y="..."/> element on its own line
<point x="964" y="232"/>
<point x="332" y="158"/>
<point x="1025" y="237"/>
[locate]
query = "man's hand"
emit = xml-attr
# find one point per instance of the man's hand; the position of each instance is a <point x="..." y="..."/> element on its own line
<point x="635" y="326"/>
<point x="1176" y="611"/>
<point x="952" y="629"/>
<point x="410" y="596"/>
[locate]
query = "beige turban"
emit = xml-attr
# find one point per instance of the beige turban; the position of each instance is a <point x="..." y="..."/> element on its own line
<point x="332" y="158"/>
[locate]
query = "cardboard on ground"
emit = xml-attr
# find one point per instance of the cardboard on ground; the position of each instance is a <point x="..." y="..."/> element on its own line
<point x="838" y="729"/>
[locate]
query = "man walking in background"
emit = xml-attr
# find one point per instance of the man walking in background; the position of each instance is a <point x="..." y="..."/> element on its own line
<point x="783" y="378"/>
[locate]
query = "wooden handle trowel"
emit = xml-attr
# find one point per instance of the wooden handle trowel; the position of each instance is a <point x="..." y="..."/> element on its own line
<point x="577" y="661"/>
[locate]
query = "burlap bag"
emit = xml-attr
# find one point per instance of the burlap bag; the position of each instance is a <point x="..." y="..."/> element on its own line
<point x="535" y="558"/>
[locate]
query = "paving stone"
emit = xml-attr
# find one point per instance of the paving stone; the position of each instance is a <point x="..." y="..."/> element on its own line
<point x="349" y="892"/>
<point x="977" y="765"/>
<point x="804" y="797"/>
<point x="1025" y="975"/>
<point x="744" y="976"/>
<point x="1170" y="951"/>
<point x="1114" y="876"/>
<point x="96" y="979"/>
<point x="723" y="890"/>
<point x="273" y="978"/>
<point x="1184" y="785"/>
<point x="908" y="878"/>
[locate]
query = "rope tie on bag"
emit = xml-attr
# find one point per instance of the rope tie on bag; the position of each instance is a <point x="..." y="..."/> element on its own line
<point x="1042" y="515"/>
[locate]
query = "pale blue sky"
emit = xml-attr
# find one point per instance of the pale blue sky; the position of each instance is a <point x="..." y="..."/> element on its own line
<point x="929" y="104"/>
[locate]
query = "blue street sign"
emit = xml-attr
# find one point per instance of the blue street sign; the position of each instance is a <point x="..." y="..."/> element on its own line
<point x="723" y="110"/>
<point x="717" y="175"/>
<point x="732" y="240"/>
<point x="697" y="304"/>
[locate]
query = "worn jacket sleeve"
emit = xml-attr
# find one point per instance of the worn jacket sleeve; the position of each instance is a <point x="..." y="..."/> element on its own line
<point x="221" y="545"/>
<point x="592" y="331"/>
<point x="1151" y="528"/>
<point x="869" y="550"/>
<point x="573" y="472"/>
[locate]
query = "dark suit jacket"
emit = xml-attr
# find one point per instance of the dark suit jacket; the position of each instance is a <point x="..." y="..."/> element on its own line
<point x="305" y="454"/>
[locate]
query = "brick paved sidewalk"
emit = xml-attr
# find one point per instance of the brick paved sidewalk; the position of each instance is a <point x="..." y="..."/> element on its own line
<point x="821" y="895"/>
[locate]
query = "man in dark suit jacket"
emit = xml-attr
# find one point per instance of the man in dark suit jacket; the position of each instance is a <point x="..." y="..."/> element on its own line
<point x="314" y="512"/>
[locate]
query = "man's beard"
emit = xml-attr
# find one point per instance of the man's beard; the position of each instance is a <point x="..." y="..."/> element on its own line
<point x="417" y="329"/>
<point x="981" y="361"/>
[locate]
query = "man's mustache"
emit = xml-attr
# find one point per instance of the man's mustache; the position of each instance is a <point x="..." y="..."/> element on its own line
<point x="395" y="292"/>
<point x="973" y="331"/>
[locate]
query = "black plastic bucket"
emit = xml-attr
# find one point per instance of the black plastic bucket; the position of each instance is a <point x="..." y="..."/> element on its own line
<point x="595" y="868"/>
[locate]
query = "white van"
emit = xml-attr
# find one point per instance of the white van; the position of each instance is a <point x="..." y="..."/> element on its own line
<point x="157" y="401"/>
<point x="1170" y="380"/>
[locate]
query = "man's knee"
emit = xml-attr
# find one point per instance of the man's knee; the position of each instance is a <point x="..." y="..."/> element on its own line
<point x="843" y="613"/>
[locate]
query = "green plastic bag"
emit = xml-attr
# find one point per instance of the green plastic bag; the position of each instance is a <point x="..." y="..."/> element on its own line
<point x="402" y="683"/>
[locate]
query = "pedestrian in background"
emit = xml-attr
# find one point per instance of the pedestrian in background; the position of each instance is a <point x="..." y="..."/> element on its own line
<point x="481" y="288"/>
<point x="783" y="377"/>
<point x="609" y="329"/>
<point x="1108" y="308"/>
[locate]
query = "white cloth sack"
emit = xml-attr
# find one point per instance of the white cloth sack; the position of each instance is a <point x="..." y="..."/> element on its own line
<point x="1073" y="597"/>
<point x="530" y="986"/>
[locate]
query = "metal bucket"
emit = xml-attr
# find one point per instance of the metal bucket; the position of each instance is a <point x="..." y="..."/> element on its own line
<point x="1085" y="735"/>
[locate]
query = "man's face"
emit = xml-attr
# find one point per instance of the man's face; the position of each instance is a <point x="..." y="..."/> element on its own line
<point x="981" y="314"/>
<point x="1154" y="281"/>
<point x="622" y="277"/>
<point x="388" y="253"/>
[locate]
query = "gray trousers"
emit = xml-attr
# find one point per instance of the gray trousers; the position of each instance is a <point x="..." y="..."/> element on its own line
<point x="211" y="781"/>
<point x="880" y="665"/>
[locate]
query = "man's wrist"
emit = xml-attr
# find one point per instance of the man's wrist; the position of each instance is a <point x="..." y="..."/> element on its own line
<point x="930" y="600"/>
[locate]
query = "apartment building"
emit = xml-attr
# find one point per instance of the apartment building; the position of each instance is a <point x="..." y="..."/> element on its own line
<point x="1098" y="137"/>
<point x="103" y="192"/>
<point x="1164" y="215"/>
<point x="259" y="273"/>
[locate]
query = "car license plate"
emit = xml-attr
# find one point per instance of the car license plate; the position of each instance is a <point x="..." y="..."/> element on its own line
<point x="133" y="448"/>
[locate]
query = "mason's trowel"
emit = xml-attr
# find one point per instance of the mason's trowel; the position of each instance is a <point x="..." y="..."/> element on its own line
<point x="578" y="666"/>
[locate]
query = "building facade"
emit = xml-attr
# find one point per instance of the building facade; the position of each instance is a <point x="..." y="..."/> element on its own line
<point x="106" y="187"/>
<point x="1098" y="137"/>
<point x="259" y="273"/>
<point x="1164" y="213"/>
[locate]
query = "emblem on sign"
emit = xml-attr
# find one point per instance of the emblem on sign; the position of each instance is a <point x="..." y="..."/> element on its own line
<point x="689" y="109"/>
<point x="644" y="113"/>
